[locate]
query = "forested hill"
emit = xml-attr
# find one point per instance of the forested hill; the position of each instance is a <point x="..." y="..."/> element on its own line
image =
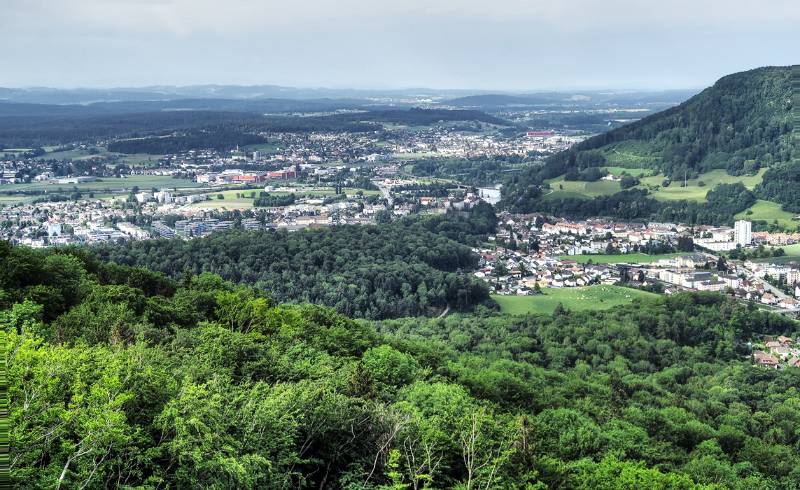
<point x="405" y="268"/>
<point x="122" y="378"/>
<point x="740" y="125"/>
<point x="744" y="116"/>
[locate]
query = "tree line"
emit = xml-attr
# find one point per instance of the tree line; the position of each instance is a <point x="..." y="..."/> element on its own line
<point x="406" y="268"/>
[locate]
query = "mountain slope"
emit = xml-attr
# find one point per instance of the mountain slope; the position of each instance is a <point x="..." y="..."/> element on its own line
<point x="743" y="116"/>
<point x="740" y="124"/>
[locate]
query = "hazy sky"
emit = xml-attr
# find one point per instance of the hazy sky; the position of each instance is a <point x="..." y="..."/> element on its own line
<point x="485" y="44"/>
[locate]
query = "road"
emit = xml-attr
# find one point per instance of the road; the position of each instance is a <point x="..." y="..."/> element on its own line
<point x="387" y="193"/>
<point x="767" y="286"/>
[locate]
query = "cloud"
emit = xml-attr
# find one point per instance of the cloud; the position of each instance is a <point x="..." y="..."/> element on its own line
<point x="182" y="17"/>
<point x="496" y="43"/>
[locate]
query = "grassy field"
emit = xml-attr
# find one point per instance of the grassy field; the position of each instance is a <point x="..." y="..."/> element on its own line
<point x="792" y="250"/>
<point x="231" y="201"/>
<point x="244" y="201"/>
<point x="14" y="151"/>
<point x="268" y="148"/>
<point x="106" y="186"/>
<point x="792" y="255"/>
<point x="566" y="188"/>
<point x="4" y="199"/>
<point x="634" y="258"/>
<point x="584" y="298"/>
<point x="768" y="211"/>
<point x="636" y="172"/>
<point x="693" y="190"/>
<point x="138" y="159"/>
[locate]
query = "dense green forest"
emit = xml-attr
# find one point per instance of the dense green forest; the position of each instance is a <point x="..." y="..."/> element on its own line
<point x="406" y="268"/>
<point x="740" y="124"/>
<point x="218" y="138"/>
<point x="744" y="116"/>
<point x="120" y="377"/>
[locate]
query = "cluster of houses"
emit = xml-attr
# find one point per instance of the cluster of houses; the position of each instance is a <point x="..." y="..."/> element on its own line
<point x="535" y="252"/>
<point x="239" y="176"/>
<point x="778" y="353"/>
<point x="514" y="273"/>
<point x="62" y="223"/>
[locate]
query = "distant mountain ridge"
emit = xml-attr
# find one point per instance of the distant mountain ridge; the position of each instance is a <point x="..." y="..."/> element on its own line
<point x="27" y="109"/>
<point x="456" y="97"/>
<point x="582" y="99"/>
<point x="47" y="95"/>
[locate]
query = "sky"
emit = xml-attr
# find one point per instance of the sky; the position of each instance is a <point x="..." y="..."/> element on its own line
<point x="515" y="45"/>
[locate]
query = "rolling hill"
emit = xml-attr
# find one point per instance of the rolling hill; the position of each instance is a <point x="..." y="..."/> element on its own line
<point x="739" y="126"/>
<point x="743" y="117"/>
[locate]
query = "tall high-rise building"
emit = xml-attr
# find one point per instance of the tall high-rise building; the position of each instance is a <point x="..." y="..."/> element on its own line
<point x="742" y="233"/>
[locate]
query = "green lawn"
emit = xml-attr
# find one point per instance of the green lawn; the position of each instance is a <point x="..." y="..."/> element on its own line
<point x="584" y="298"/>
<point x="694" y="191"/>
<point x="10" y="200"/>
<point x="768" y="211"/>
<point x="633" y="258"/>
<point x="69" y="154"/>
<point x="244" y="201"/>
<point x="267" y="148"/>
<point x="792" y="250"/>
<point x="792" y="255"/>
<point x="15" y="150"/>
<point x="636" y="172"/>
<point x="567" y="188"/>
<point x="106" y="185"/>
<point x="138" y="159"/>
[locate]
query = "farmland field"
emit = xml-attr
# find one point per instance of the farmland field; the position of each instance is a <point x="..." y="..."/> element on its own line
<point x="567" y="188"/>
<point x="231" y="201"/>
<point x="695" y="190"/>
<point x="769" y="211"/>
<point x="633" y="258"/>
<point x="15" y="193"/>
<point x="792" y="255"/>
<point x="584" y="298"/>
<point x="792" y="250"/>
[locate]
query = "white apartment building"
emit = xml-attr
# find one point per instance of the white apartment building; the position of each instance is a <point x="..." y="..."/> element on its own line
<point x="743" y="233"/>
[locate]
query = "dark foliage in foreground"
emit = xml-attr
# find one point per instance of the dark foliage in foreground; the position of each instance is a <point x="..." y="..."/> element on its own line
<point x="119" y="377"/>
